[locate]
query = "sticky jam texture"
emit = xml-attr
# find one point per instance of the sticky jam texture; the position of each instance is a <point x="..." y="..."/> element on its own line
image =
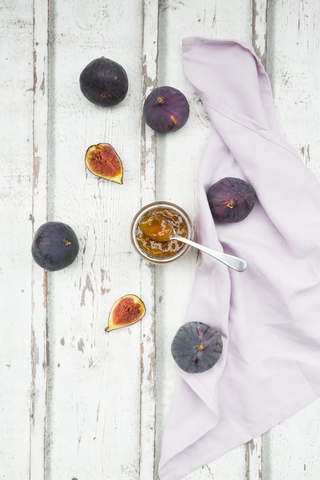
<point x="163" y="249"/>
<point x="104" y="161"/>
<point x="156" y="227"/>
<point x="126" y="312"/>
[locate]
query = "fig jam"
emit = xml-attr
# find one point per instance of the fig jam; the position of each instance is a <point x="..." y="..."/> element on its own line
<point x="104" y="161"/>
<point x="167" y="249"/>
<point x="126" y="312"/>
<point x="157" y="228"/>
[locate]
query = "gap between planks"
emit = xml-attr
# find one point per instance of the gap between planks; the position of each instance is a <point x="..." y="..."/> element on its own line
<point x="148" y="146"/>
<point x="38" y="386"/>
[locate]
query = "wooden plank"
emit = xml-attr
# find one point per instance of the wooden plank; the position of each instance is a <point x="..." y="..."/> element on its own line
<point x="178" y="159"/>
<point x="254" y="459"/>
<point x="16" y="36"/>
<point x="98" y="406"/>
<point x="148" y="159"/>
<point x="294" y="75"/>
<point x="291" y="449"/>
<point x="259" y="29"/>
<point x="38" y="389"/>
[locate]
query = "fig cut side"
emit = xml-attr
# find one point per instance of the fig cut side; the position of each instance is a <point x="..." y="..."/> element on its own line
<point x="231" y="200"/>
<point x="126" y="311"/>
<point x="103" y="161"/>
<point x="196" y="347"/>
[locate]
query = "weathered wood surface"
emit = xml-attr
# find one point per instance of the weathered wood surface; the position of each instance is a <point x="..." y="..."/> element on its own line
<point x="77" y="403"/>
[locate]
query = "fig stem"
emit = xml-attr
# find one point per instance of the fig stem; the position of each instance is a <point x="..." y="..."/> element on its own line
<point x="231" y="203"/>
<point x="160" y="101"/>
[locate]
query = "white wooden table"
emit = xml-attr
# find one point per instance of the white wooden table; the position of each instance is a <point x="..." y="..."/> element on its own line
<point x="77" y="403"/>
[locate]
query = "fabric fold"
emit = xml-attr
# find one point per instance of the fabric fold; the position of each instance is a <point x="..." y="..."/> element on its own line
<point x="268" y="316"/>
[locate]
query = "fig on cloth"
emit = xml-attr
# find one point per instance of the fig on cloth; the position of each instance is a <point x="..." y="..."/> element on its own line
<point x="231" y="200"/>
<point x="196" y="347"/>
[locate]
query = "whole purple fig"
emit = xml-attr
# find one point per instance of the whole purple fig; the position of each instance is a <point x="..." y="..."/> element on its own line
<point x="55" y="246"/>
<point x="231" y="200"/>
<point x="196" y="347"/>
<point x="166" y="110"/>
<point x="104" y="82"/>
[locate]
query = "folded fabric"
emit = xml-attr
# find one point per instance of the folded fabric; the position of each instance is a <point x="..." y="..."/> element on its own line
<point x="269" y="315"/>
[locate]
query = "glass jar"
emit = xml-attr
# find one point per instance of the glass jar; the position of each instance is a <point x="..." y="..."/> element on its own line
<point x="176" y="210"/>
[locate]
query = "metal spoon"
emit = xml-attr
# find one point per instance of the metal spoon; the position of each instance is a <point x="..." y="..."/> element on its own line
<point x="160" y="229"/>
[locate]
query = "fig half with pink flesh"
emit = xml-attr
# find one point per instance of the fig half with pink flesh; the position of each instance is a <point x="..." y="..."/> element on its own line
<point x="231" y="200"/>
<point x="126" y="311"/>
<point x="102" y="160"/>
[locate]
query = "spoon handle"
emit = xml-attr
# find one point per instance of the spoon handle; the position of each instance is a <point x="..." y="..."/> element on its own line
<point x="233" y="262"/>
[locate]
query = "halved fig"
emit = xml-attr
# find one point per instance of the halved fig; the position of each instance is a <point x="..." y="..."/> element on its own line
<point x="231" y="200"/>
<point x="196" y="347"/>
<point x="126" y="311"/>
<point x="102" y="160"/>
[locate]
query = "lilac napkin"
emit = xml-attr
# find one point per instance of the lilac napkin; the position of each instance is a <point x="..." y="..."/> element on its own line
<point x="269" y="315"/>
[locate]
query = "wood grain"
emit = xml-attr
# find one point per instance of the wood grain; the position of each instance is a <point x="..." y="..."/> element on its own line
<point x="38" y="390"/>
<point x="148" y="161"/>
<point x="290" y="450"/>
<point x="259" y="29"/>
<point x="16" y="187"/>
<point x="178" y="159"/>
<point x="79" y="403"/>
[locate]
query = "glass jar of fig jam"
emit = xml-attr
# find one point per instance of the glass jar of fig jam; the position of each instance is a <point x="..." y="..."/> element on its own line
<point x="162" y="252"/>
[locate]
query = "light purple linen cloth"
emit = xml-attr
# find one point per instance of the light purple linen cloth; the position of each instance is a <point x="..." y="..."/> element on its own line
<point x="269" y="315"/>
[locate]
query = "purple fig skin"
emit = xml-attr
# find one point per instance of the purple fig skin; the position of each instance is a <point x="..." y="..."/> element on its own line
<point x="231" y="200"/>
<point x="166" y="110"/>
<point x="196" y="347"/>
<point x="55" y="246"/>
<point x="104" y="82"/>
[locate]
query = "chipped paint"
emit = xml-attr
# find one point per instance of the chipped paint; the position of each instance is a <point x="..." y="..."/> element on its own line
<point x="36" y="170"/>
<point x="42" y="86"/>
<point x="81" y="345"/>
<point x="104" y="276"/>
<point x="45" y="289"/>
<point x="88" y="286"/>
<point x="259" y="29"/>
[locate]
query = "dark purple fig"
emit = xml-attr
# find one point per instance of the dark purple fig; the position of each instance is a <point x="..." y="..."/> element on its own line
<point x="196" y="347"/>
<point x="231" y="200"/>
<point x="165" y="110"/>
<point x="55" y="246"/>
<point x="104" y="82"/>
